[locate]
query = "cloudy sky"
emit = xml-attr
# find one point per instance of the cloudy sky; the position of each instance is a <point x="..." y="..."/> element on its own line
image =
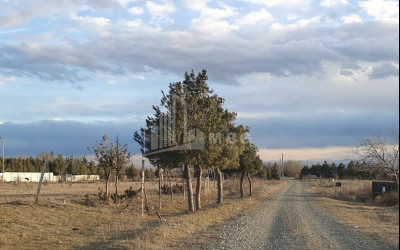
<point x="308" y="77"/>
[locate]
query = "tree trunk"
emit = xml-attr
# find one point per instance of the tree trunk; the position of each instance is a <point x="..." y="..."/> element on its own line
<point x="142" y="187"/>
<point x="250" y="184"/>
<point x="159" y="187"/>
<point x="170" y="185"/>
<point x="107" y="183"/>
<point x="199" y="172"/>
<point x="241" y="184"/>
<point x="189" y="188"/>
<point x="396" y="181"/>
<point x="116" y="184"/>
<point x="219" y="184"/>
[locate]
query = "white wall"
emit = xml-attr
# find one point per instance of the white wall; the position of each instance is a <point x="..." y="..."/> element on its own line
<point x="25" y="176"/>
<point x="74" y="178"/>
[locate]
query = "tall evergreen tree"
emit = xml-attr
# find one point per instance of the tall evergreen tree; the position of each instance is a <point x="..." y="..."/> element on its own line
<point x="185" y="129"/>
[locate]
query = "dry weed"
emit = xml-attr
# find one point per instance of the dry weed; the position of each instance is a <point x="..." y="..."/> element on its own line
<point x="353" y="205"/>
<point x="63" y="219"/>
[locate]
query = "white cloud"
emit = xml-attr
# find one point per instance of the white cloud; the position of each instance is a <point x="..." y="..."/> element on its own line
<point x="12" y="31"/>
<point x="291" y="17"/>
<point x="18" y="14"/>
<point x="136" y="11"/>
<point x="286" y="3"/>
<point x="258" y="115"/>
<point x="160" y="10"/>
<point x="307" y="154"/>
<point x="330" y="3"/>
<point x="292" y="5"/>
<point x="257" y="17"/>
<point x="218" y="13"/>
<point x="11" y="78"/>
<point x="7" y="79"/>
<point x="195" y="5"/>
<point x="213" y="21"/>
<point x="213" y="27"/>
<point x="125" y="3"/>
<point x="298" y="25"/>
<point x="98" y="24"/>
<point x="353" y="18"/>
<point x="56" y="119"/>
<point x="60" y="100"/>
<point x="138" y="77"/>
<point x="381" y="9"/>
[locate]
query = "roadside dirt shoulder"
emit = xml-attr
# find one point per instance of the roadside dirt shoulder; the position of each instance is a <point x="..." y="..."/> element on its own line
<point x="377" y="222"/>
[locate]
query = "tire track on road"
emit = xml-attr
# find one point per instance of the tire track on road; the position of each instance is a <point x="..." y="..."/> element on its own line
<point x="292" y="219"/>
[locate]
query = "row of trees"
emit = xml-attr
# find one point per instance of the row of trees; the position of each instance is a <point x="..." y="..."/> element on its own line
<point x="353" y="170"/>
<point x="191" y="129"/>
<point x="58" y="165"/>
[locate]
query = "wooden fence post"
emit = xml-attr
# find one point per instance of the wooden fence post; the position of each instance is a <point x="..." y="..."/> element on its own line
<point x="142" y="187"/>
<point x="40" y="182"/>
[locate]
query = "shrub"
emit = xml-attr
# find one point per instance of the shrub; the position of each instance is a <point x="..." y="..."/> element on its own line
<point x="388" y="199"/>
<point x="364" y="194"/>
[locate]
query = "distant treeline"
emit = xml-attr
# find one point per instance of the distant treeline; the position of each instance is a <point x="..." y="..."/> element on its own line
<point x="58" y="165"/>
<point x="61" y="165"/>
<point x="353" y="170"/>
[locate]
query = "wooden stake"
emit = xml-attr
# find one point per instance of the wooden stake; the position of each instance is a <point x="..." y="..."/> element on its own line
<point x="160" y="173"/>
<point x="40" y="182"/>
<point x="142" y="187"/>
<point x="170" y="184"/>
<point x="184" y="190"/>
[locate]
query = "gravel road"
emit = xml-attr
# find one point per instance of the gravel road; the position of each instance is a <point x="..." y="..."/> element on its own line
<point x="292" y="219"/>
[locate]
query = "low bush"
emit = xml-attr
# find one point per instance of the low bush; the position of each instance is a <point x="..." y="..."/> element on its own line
<point x="387" y="199"/>
<point x="364" y="194"/>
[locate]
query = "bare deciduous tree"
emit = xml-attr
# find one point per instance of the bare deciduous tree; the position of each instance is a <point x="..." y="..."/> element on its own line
<point x="381" y="152"/>
<point x="292" y="168"/>
<point x="111" y="156"/>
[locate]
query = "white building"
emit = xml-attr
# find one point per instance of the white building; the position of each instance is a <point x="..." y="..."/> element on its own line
<point x="75" y="178"/>
<point x="25" y="177"/>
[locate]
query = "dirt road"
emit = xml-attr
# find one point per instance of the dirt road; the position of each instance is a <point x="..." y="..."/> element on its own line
<point x="292" y="219"/>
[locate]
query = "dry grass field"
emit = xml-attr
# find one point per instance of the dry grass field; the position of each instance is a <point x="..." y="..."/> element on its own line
<point x="62" y="220"/>
<point x="354" y="206"/>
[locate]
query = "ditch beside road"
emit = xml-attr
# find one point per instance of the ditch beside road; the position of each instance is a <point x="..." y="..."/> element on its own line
<point x="292" y="219"/>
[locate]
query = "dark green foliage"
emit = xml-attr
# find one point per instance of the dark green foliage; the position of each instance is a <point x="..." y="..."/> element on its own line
<point x="190" y="109"/>
<point x="353" y="170"/>
<point x="149" y="174"/>
<point x="275" y="173"/>
<point x="305" y="171"/>
<point x="132" y="172"/>
<point x="59" y="166"/>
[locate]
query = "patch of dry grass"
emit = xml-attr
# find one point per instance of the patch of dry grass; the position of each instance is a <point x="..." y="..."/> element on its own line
<point x="62" y="221"/>
<point x="376" y="221"/>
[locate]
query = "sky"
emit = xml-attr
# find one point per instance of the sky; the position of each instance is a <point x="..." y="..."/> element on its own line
<point x="309" y="77"/>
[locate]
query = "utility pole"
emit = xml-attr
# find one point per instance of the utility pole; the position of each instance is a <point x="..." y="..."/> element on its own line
<point x="2" y="143"/>
<point x="282" y="166"/>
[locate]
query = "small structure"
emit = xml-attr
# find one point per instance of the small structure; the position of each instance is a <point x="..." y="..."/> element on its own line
<point x="76" y="178"/>
<point x="381" y="187"/>
<point x="25" y="177"/>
